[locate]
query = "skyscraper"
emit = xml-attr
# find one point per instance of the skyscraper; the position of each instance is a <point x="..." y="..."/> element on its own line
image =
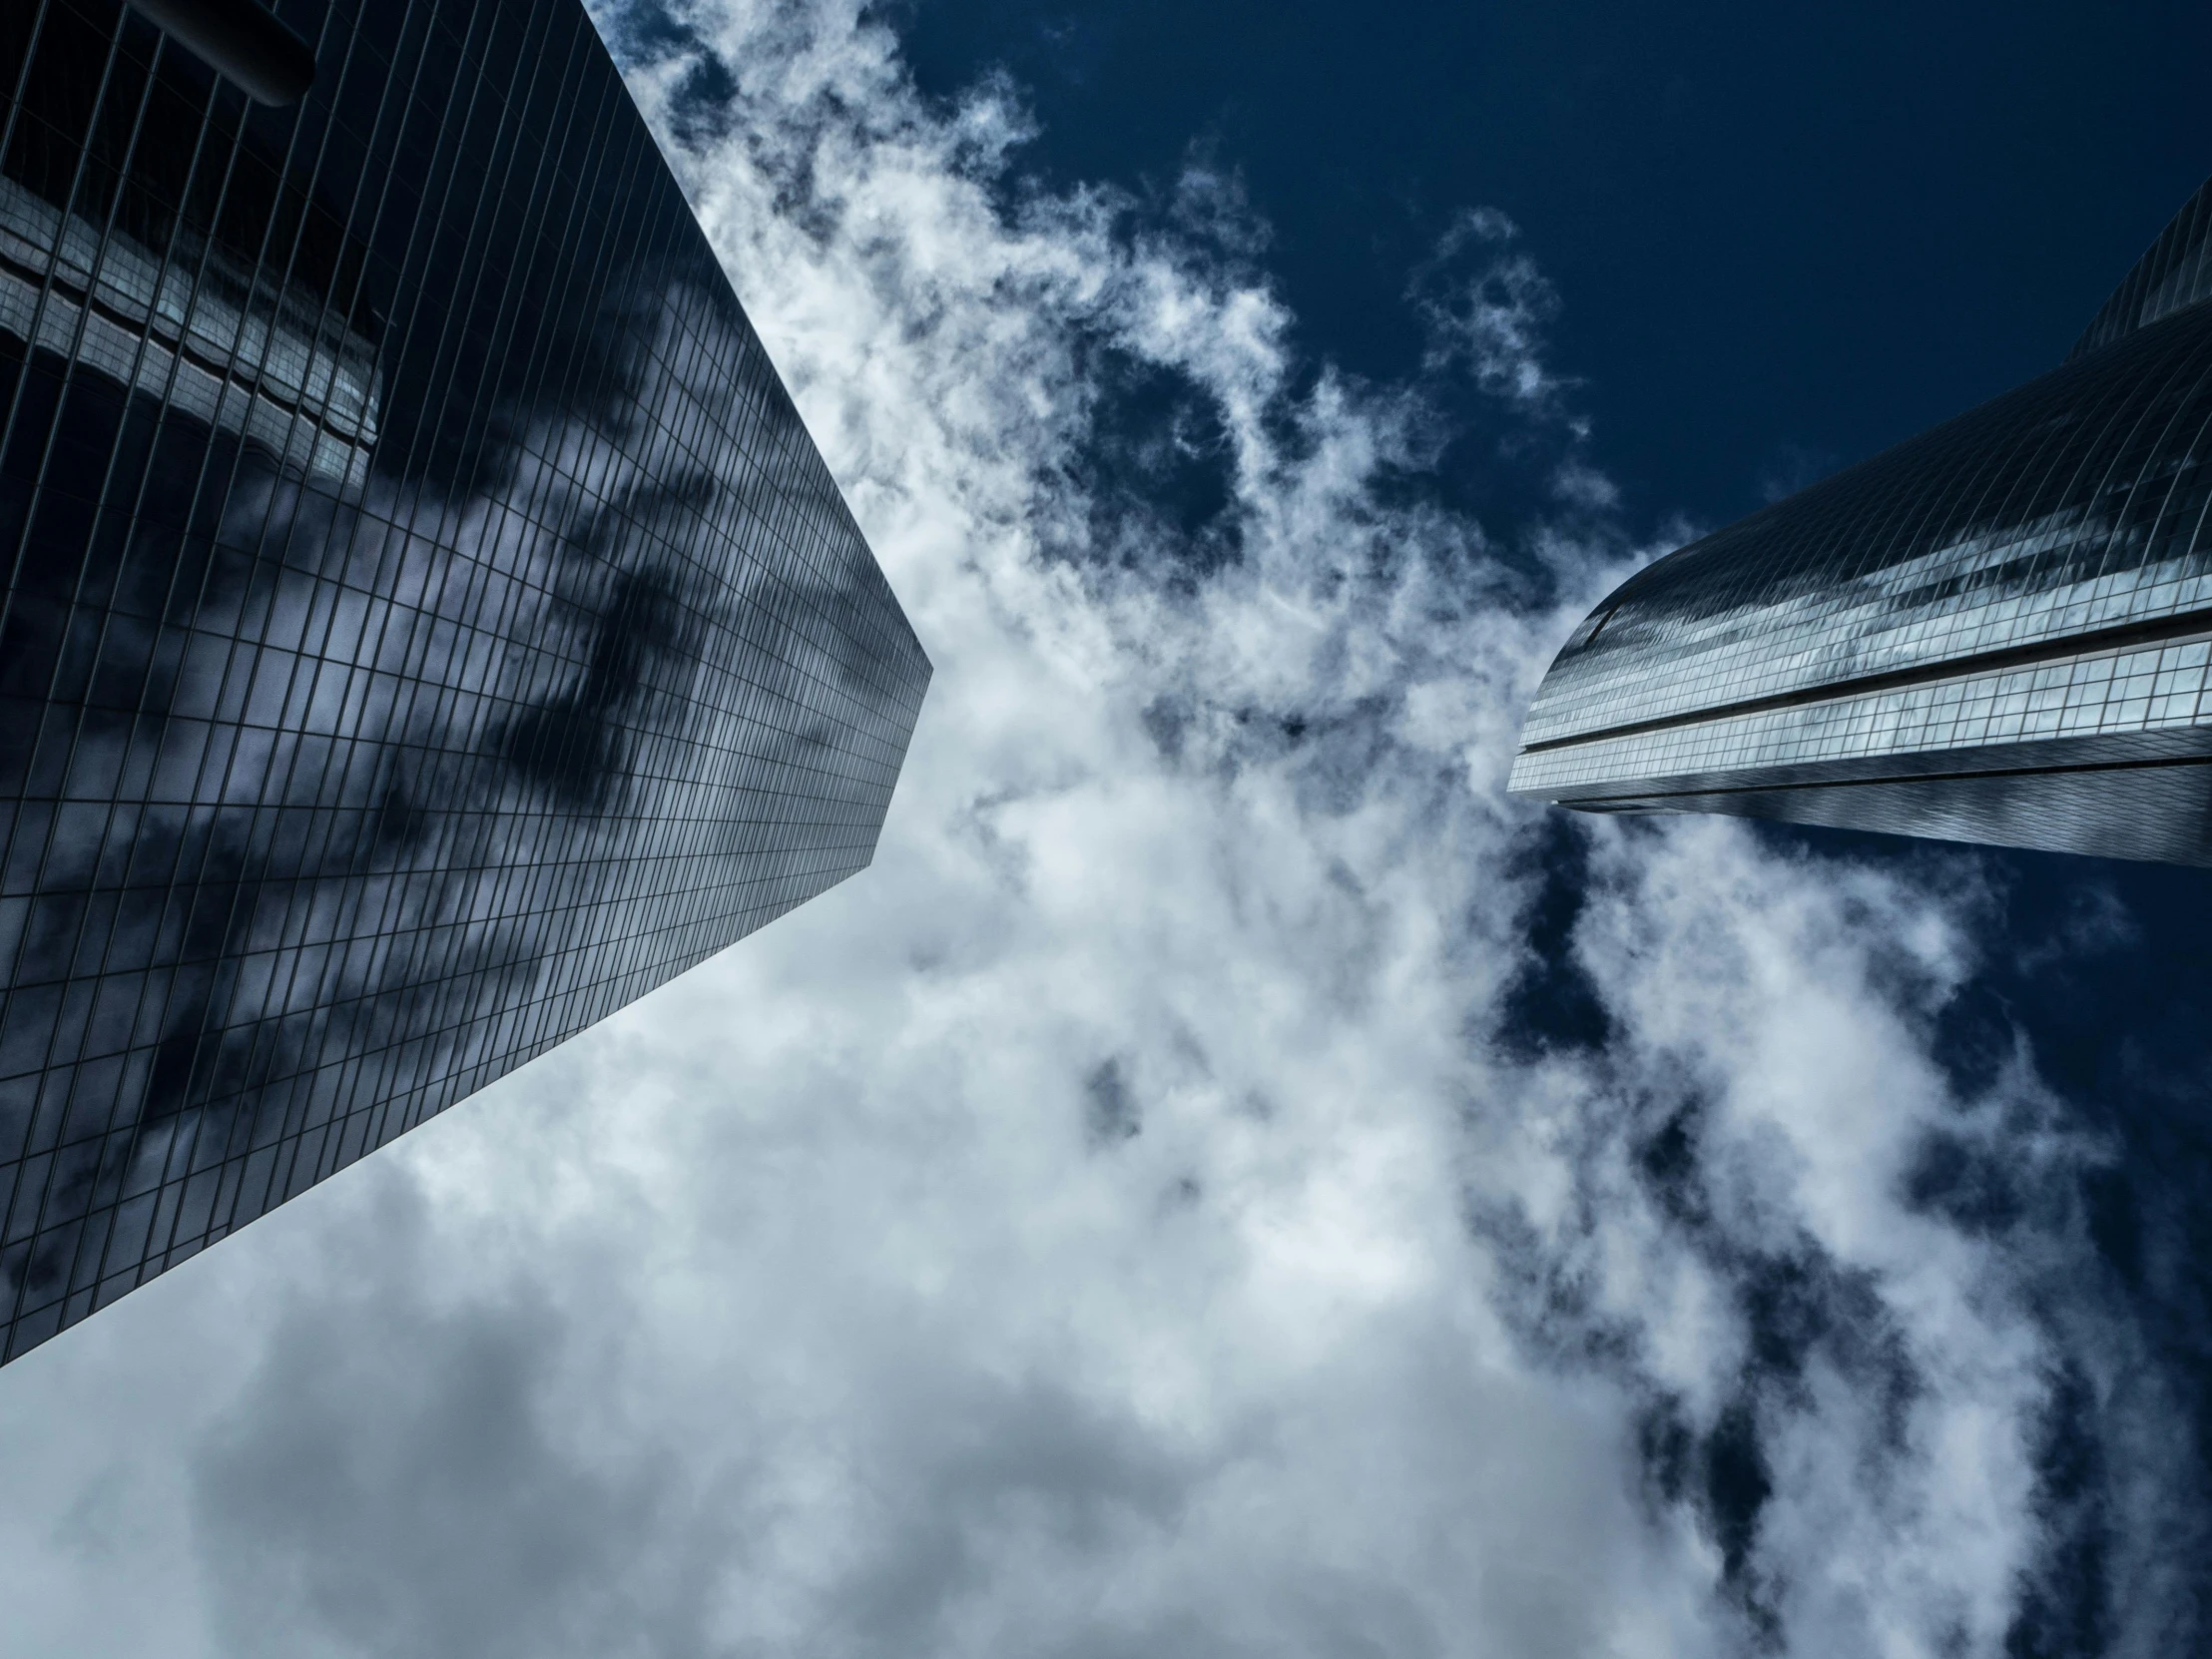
<point x="428" y="626"/>
<point x="1999" y="631"/>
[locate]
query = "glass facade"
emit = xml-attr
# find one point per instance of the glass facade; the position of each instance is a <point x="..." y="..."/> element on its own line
<point x="428" y="626"/>
<point x="1998" y="631"/>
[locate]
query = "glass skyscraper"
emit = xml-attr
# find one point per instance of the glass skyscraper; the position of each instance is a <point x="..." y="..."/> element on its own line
<point x="1999" y="631"/>
<point x="428" y="626"/>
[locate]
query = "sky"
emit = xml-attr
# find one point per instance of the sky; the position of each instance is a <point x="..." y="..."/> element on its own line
<point x="1228" y="1181"/>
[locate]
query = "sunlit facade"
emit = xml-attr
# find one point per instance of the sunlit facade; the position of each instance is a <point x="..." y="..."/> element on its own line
<point x="1999" y="631"/>
<point x="428" y="625"/>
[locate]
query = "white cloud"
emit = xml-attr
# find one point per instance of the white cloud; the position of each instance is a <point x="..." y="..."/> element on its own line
<point x="1121" y="1222"/>
<point x="1490" y="322"/>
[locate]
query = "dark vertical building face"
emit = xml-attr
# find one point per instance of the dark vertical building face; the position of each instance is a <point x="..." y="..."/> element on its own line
<point x="428" y="628"/>
<point x="1999" y="631"/>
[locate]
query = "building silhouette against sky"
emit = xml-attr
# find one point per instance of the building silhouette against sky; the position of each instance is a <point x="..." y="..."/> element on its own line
<point x="1999" y="631"/>
<point x="428" y="626"/>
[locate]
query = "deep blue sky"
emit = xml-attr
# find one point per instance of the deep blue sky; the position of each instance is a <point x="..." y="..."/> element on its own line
<point x="1784" y="235"/>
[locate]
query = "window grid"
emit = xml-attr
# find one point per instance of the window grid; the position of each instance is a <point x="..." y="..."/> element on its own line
<point x="339" y="782"/>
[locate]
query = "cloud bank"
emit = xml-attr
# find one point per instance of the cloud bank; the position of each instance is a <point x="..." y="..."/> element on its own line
<point x="1227" y="1181"/>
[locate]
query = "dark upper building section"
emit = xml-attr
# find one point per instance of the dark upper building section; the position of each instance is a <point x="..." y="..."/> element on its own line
<point x="138" y="164"/>
<point x="2176" y="272"/>
<point x="243" y="41"/>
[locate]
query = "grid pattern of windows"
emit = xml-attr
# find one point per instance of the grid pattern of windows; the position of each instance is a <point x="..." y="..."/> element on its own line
<point x="1982" y="598"/>
<point x="428" y="626"/>
<point x="2107" y="693"/>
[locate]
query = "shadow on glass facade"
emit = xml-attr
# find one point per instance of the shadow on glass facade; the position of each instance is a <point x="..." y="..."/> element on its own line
<point x="1999" y="631"/>
<point x="429" y="627"/>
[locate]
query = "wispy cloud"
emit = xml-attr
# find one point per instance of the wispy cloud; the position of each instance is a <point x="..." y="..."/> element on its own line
<point x="1486" y="304"/>
<point x="1227" y="1181"/>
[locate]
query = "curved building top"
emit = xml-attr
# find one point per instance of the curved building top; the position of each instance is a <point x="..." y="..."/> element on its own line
<point x="2064" y="516"/>
<point x="1999" y="631"/>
